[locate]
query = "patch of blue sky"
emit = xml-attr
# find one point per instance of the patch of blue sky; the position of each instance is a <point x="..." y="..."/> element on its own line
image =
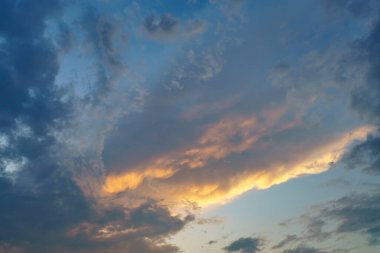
<point x="259" y="212"/>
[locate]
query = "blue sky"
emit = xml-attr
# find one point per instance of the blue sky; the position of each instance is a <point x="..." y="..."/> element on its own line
<point x="189" y="126"/>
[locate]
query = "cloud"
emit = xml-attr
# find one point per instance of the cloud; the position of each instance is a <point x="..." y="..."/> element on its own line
<point x="143" y="245"/>
<point x="42" y="207"/>
<point x="287" y="240"/>
<point x="78" y="175"/>
<point x="26" y="216"/>
<point x="352" y="71"/>
<point x="167" y="26"/>
<point x="7" y="248"/>
<point x="37" y="196"/>
<point x="186" y="174"/>
<point x="364" y="97"/>
<point x="245" y="245"/>
<point x="355" y="8"/>
<point x="28" y="68"/>
<point x="303" y="249"/>
<point x="364" y="100"/>
<point x="150" y="220"/>
<point x="365" y="155"/>
<point x="161" y="26"/>
<point x="103" y="33"/>
<point x="357" y="213"/>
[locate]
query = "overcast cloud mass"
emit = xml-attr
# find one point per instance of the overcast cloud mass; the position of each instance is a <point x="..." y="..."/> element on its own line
<point x="190" y="126"/>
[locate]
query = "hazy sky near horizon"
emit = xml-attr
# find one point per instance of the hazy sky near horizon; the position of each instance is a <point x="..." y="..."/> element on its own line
<point x="195" y="126"/>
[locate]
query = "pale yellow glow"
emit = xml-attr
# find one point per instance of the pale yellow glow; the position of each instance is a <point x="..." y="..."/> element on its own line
<point x="317" y="161"/>
<point x="214" y="144"/>
<point x="230" y="135"/>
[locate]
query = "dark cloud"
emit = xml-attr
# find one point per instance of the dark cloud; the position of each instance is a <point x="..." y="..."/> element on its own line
<point x="365" y="100"/>
<point x="357" y="213"/>
<point x="304" y="249"/>
<point x="102" y="34"/>
<point x="28" y="67"/>
<point x="168" y="26"/>
<point x="39" y="200"/>
<point x="144" y="245"/>
<point x="157" y="219"/>
<point x="65" y="221"/>
<point x="121" y="230"/>
<point x="365" y="97"/>
<point x="42" y="208"/>
<point x="287" y="240"/>
<point x="365" y="156"/>
<point x="36" y="221"/>
<point x="164" y="25"/>
<point x="244" y="245"/>
<point x="26" y="19"/>
<point x="356" y="8"/>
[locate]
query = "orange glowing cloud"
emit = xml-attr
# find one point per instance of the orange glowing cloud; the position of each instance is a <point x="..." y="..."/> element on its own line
<point x="313" y="162"/>
<point x="231" y="135"/>
<point x="131" y="180"/>
<point x="216" y="142"/>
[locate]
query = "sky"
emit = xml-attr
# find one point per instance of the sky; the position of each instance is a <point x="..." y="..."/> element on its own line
<point x="193" y="126"/>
